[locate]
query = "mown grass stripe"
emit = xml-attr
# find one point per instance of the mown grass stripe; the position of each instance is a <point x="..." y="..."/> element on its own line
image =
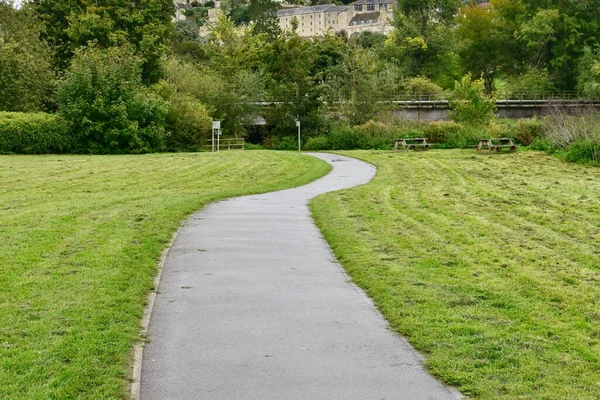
<point x="489" y="264"/>
<point x="79" y="240"/>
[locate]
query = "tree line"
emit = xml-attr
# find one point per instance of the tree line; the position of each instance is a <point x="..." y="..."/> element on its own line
<point x="125" y="78"/>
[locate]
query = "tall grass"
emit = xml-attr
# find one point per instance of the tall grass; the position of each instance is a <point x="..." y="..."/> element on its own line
<point x="574" y="135"/>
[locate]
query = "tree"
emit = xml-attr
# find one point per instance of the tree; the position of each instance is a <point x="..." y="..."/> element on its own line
<point x="237" y="11"/>
<point x="557" y="32"/>
<point x="588" y="73"/>
<point x="264" y="15"/>
<point x="482" y="41"/>
<point x="26" y="76"/>
<point x="423" y="34"/>
<point x="106" y="106"/>
<point x="359" y="86"/>
<point x="290" y="61"/>
<point x="471" y="105"/>
<point x="145" y="25"/>
<point x="231" y="98"/>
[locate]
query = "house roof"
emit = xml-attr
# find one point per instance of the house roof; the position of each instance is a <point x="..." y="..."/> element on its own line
<point x="183" y="6"/>
<point x="311" y="10"/>
<point x="369" y="16"/>
<point x="360" y="2"/>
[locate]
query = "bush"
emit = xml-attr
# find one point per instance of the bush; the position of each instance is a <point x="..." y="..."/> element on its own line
<point x="442" y="131"/>
<point x="582" y="151"/>
<point x="423" y="88"/>
<point x="35" y="133"/>
<point x="528" y="130"/>
<point x="284" y="143"/>
<point x="575" y="136"/>
<point x="541" y="144"/>
<point x="530" y="84"/>
<point x="27" y="81"/>
<point x="252" y="146"/>
<point x="346" y="138"/>
<point x="470" y="105"/>
<point x="106" y="106"/>
<point x="317" y="143"/>
<point x="588" y="73"/>
<point x="188" y="123"/>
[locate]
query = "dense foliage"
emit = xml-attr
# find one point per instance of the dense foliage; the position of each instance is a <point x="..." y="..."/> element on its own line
<point x="26" y="78"/>
<point x="131" y="80"/>
<point x="107" y="108"/>
<point x="145" y="25"/>
<point x="34" y="133"/>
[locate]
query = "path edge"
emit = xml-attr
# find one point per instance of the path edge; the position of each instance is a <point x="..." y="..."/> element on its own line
<point x="454" y="391"/>
<point x="138" y="348"/>
<point x="135" y="376"/>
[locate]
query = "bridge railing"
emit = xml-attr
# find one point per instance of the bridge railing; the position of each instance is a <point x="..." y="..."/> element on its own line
<point x="502" y="95"/>
<point x="502" y="98"/>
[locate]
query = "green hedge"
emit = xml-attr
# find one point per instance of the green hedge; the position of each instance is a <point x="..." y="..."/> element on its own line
<point x="34" y="133"/>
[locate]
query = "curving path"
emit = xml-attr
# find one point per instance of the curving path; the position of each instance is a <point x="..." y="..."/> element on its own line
<point x="252" y="305"/>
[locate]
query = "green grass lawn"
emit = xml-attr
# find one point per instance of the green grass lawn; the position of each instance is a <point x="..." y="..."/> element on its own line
<point x="489" y="264"/>
<point x="79" y="241"/>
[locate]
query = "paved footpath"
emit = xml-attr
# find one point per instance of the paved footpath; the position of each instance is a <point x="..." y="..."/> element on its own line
<point x="252" y="305"/>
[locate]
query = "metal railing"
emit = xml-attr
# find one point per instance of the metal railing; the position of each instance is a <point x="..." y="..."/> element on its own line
<point x="503" y="98"/>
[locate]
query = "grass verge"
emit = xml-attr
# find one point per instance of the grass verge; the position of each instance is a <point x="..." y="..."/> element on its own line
<point x="79" y="241"/>
<point x="489" y="264"/>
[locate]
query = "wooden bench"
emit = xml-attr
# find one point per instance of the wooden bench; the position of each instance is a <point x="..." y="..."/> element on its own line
<point x="496" y="144"/>
<point x="411" y="143"/>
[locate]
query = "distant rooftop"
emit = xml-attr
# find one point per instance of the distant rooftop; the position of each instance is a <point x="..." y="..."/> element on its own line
<point x="370" y="17"/>
<point x="311" y="10"/>
<point x="359" y="2"/>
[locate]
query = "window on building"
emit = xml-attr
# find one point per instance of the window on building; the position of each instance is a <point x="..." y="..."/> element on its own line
<point x="358" y="7"/>
<point x="370" y="7"/>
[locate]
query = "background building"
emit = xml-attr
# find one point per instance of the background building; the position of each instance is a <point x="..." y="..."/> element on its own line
<point x="361" y="16"/>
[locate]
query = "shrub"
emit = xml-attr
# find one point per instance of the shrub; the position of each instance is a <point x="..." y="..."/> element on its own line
<point x="541" y="144"/>
<point x="528" y="130"/>
<point x="582" y="151"/>
<point x="27" y="81"/>
<point x="35" y="133"/>
<point x="344" y="137"/>
<point x="442" y="131"/>
<point x="588" y="73"/>
<point x="106" y="106"/>
<point x="470" y="105"/>
<point x="284" y="143"/>
<point x="577" y="136"/>
<point x="188" y="121"/>
<point x="423" y="88"/>
<point x="530" y="84"/>
<point x="317" y="143"/>
<point x="252" y="146"/>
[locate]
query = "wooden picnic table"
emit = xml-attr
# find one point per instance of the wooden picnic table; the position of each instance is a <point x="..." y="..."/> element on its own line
<point x="497" y="144"/>
<point x="411" y="143"/>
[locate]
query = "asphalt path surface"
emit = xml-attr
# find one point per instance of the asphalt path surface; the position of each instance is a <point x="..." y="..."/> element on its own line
<point x="252" y="305"/>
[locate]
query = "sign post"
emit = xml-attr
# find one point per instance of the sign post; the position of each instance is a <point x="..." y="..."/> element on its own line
<point x="216" y="126"/>
<point x="299" y="142"/>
